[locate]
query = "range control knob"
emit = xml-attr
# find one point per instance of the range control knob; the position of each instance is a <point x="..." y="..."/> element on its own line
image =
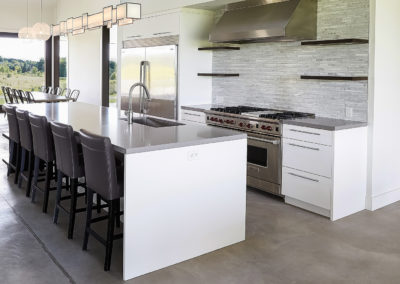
<point x="241" y="124"/>
<point x="263" y="127"/>
<point x="269" y="128"/>
<point x="249" y="125"/>
<point x="221" y="121"/>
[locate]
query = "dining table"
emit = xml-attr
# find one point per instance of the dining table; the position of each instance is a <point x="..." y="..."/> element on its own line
<point x="41" y="97"/>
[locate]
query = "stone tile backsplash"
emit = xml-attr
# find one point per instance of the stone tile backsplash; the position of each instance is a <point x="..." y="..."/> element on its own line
<point x="270" y="72"/>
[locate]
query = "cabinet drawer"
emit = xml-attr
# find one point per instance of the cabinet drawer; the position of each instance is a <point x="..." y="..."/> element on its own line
<point x="307" y="157"/>
<point x="307" y="134"/>
<point x="193" y="116"/>
<point x="306" y="187"/>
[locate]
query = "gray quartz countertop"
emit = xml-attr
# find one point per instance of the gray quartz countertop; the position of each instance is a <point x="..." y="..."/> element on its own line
<point x="200" y="107"/>
<point x="324" y="123"/>
<point x="132" y="138"/>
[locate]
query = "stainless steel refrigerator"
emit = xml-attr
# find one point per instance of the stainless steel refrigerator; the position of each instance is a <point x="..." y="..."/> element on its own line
<point x="156" y="67"/>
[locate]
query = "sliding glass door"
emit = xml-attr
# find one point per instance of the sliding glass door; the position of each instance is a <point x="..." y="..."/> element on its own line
<point x="21" y="63"/>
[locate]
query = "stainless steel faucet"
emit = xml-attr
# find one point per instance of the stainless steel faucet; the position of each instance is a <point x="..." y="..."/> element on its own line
<point x="142" y="100"/>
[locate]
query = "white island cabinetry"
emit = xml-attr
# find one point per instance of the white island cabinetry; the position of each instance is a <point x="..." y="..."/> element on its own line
<point x="325" y="171"/>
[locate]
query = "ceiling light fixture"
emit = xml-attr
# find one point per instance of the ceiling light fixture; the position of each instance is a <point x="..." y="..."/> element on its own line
<point x="122" y="14"/>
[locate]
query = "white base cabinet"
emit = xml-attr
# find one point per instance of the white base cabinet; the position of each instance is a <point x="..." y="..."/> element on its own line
<point x="325" y="171"/>
<point x="193" y="116"/>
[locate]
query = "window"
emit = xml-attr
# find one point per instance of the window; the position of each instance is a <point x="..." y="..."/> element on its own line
<point x="113" y="67"/>
<point x="63" y="62"/>
<point x="21" y="64"/>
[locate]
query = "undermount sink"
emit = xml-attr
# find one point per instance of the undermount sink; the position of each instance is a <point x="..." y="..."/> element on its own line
<point x="155" y="122"/>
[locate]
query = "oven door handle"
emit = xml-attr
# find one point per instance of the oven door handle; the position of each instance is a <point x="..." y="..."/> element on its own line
<point x="273" y="142"/>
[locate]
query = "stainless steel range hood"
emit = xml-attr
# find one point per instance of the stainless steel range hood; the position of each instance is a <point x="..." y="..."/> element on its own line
<point x="266" y="21"/>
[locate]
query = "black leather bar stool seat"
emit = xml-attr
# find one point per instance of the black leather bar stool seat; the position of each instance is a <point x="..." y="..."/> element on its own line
<point x="102" y="177"/>
<point x="69" y="162"/>
<point x="14" y="160"/>
<point x="43" y="149"/>
<point x="25" y="134"/>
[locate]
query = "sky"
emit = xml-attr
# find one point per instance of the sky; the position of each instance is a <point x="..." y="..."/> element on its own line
<point x="24" y="49"/>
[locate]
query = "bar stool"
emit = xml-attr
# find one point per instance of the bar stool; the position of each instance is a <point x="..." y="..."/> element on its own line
<point x="15" y="146"/>
<point x="69" y="165"/>
<point x="102" y="177"/>
<point x="43" y="149"/>
<point x="25" y="135"/>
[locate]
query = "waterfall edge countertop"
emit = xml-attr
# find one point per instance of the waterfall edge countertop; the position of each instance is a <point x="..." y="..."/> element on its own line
<point x="134" y="138"/>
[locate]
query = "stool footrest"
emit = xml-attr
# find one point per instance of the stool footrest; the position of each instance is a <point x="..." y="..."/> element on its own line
<point x="98" y="219"/>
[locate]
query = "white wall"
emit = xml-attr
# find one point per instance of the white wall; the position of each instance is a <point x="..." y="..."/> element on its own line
<point x="384" y="105"/>
<point x="85" y="66"/>
<point x="13" y="14"/>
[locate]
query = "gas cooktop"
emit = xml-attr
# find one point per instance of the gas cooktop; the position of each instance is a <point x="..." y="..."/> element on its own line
<point x="252" y="119"/>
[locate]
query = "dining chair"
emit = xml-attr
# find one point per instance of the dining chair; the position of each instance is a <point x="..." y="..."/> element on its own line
<point x="66" y="93"/>
<point x="15" y="96"/>
<point x="75" y="95"/>
<point x="30" y="97"/>
<point x="22" y="96"/>
<point x="57" y="91"/>
<point x="50" y="91"/>
<point x="3" y="89"/>
<point x="43" y="89"/>
<point x="10" y="96"/>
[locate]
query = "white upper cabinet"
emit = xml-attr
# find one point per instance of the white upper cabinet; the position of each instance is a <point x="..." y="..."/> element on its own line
<point x="153" y="26"/>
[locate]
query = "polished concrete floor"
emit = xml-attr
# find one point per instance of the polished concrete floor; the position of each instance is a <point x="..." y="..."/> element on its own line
<point x="283" y="245"/>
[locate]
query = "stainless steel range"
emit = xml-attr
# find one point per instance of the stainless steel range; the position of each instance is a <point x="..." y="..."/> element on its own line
<point x="264" y="151"/>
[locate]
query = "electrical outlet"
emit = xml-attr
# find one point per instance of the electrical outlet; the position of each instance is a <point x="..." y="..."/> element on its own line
<point x="193" y="155"/>
<point x="349" y="112"/>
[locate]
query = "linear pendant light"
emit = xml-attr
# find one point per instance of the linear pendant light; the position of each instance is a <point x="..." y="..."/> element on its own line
<point x="122" y="14"/>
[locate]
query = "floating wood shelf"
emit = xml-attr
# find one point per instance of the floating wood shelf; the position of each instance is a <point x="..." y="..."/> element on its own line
<point x="219" y="48"/>
<point x="336" y="41"/>
<point x="219" y="74"/>
<point x="335" y="78"/>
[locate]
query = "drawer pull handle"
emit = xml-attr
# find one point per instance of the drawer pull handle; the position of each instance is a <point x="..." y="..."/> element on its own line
<point x="192" y="114"/>
<point x="299" y="176"/>
<point x="304" y="147"/>
<point x="305" y="132"/>
<point x="162" y="33"/>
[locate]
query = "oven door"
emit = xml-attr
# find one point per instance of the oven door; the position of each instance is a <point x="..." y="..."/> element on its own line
<point x="264" y="158"/>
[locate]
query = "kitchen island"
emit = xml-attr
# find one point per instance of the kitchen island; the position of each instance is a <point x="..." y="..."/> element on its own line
<point x="184" y="186"/>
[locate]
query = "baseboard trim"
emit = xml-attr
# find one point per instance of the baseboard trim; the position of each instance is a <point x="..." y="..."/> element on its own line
<point x="307" y="206"/>
<point x="384" y="199"/>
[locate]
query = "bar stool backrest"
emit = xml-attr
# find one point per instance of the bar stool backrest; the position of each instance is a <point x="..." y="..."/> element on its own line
<point x="42" y="139"/>
<point x="25" y="132"/>
<point x="13" y="128"/>
<point x="66" y="148"/>
<point x="100" y="169"/>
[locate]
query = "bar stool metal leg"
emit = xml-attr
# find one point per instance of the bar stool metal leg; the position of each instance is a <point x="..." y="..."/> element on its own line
<point x="22" y="166"/>
<point x="110" y="234"/>
<point x="49" y="174"/>
<point x="72" y="211"/>
<point x="88" y="218"/>
<point x="58" y="197"/>
<point x="30" y="173"/>
<point x="35" y="178"/>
